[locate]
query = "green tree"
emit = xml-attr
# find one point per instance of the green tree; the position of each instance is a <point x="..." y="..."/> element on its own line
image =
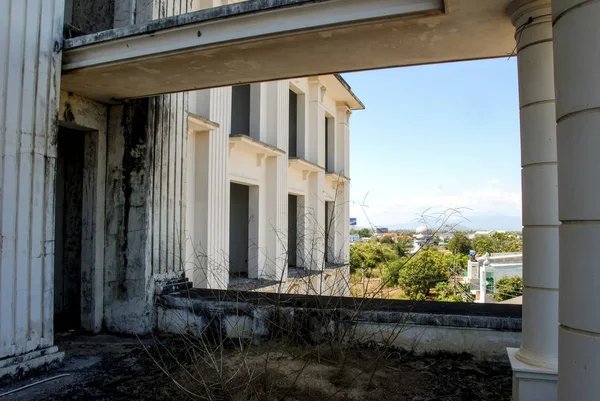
<point x="459" y="243"/>
<point x="371" y="255"/>
<point x="445" y="293"/>
<point x="507" y="288"/>
<point x="402" y="246"/>
<point x="483" y="244"/>
<point x="365" y="232"/>
<point x="505" y="242"/>
<point x="391" y="272"/>
<point x="387" y="240"/>
<point x="357" y="257"/>
<point x="456" y="263"/>
<point x="422" y="272"/>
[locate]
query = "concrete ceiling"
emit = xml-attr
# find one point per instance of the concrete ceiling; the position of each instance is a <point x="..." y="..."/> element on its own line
<point x="106" y="67"/>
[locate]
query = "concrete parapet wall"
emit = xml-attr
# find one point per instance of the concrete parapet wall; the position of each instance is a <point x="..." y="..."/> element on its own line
<point x="483" y="331"/>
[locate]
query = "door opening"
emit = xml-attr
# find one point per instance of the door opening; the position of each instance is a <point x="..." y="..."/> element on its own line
<point x="68" y="230"/>
<point x="292" y="230"/>
<point x="238" y="230"/>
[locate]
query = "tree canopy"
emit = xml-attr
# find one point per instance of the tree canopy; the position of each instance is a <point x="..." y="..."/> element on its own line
<point x="498" y="242"/>
<point x="422" y="272"/>
<point x="365" y="232"/>
<point x="459" y="243"/>
<point x="507" y="288"/>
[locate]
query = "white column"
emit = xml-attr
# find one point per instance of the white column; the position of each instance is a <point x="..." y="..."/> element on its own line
<point x="276" y="134"/>
<point x="315" y="153"/>
<point x="30" y="51"/>
<point x="209" y="228"/>
<point x="538" y="353"/>
<point x="343" y="193"/>
<point x="256" y="232"/>
<point x="342" y="159"/>
<point x="259" y="102"/>
<point x="577" y="80"/>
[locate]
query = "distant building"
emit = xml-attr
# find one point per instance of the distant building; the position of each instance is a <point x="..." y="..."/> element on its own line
<point x="445" y="236"/>
<point x="482" y="234"/>
<point x="495" y="267"/>
<point x="423" y="237"/>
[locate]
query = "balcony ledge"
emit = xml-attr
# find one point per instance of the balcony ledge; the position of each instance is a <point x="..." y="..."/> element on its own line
<point x="307" y="168"/>
<point x="198" y="123"/>
<point x="251" y="145"/>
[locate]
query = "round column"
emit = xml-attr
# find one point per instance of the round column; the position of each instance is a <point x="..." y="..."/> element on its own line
<point x="533" y="22"/>
<point x="577" y="77"/>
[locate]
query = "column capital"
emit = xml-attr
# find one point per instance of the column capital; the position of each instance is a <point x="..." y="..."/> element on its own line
<point x="319" y="87"/>
<point x="344" y="112"/>
<point x="520" y="11"/>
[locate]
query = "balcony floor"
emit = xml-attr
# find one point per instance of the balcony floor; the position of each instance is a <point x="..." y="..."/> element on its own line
<point x="108" y="367"/>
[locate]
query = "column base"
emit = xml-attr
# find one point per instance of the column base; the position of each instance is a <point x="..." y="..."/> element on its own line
<point x="532" y="383"/>
<point x="17" y="366"/>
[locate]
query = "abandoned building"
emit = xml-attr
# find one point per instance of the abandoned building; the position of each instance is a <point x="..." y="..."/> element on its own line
<point x="95" y="128"/>
<point x="278" y="152"/>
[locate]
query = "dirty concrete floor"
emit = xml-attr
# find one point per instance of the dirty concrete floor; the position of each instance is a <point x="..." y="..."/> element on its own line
<point x="106" y="367"/>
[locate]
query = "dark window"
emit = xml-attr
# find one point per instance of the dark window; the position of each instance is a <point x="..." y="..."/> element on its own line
<point x="293" y="121"/>
<point x="240" y="110"/>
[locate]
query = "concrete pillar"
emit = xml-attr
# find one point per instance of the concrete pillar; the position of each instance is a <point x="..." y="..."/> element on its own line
<point x="342" y="159"/>
<point x="207" y="246"/>
<point x="259" y="101"/>
<point x="577" y="79"/>
<point x="276" y="134"/>
<point x="209" y="214"/>
<point x="30" y="51"/>
<point x="256" y="235"/>
<point x="535" y="363"/>
<point x="315" y="153"/>
<point x="343" y="193"/>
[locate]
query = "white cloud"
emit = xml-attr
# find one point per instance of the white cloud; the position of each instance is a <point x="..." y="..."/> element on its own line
<point x="400" y="209"/>
<point x="494" y="181"/>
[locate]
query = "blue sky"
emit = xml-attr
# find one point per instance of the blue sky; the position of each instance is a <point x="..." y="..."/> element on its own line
<point x="436" y="136"/>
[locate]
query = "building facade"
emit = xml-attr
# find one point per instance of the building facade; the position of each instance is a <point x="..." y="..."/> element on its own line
<point x="282" y="168"/>
<point x="111" y="104"/>
<point x="122" y="198"/>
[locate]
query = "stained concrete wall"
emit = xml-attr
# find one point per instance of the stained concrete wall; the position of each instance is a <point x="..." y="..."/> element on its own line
<point x="145" y="219"/>
<point x="31" y="54"/>
<point x="145" y="228"/>
<point x="133" y="226"/>
<point x="478" y="330"/>
<point x="90" y="120"/>
<point x="90" y="16"/>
